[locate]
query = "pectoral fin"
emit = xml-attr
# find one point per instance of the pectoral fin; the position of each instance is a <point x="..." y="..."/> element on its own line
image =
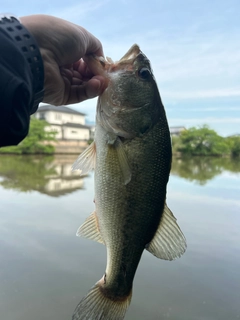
<point x="89" y="229"/>
<point x="86" y="161"/>
<point x="123" y="161"/>
<point x="169" y="242"/>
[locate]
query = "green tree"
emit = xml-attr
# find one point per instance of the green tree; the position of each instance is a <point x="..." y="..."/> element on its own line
<point x="203" y="141"/>
<point x="197" y="169"/>
<point x="176" y="144"/>
<point x="234" y="143"/>
<point x="33" y="143"/>
<point x="26" y="173"/>
<point x="202" y="169"/>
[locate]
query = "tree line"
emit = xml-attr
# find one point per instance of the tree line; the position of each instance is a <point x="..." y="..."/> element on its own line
<point x="201" y="141"/>
<point x="36" y="142"/>
<point x="40" y="169"/>
<point x="204" y="141"/>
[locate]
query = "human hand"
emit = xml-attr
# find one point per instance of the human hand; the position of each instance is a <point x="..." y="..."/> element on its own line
<point x="63" y="45"/>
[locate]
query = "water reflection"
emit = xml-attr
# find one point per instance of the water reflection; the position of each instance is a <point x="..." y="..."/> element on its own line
<point x="48" y="175"/>
<point x="53" y="175"/>
<point x="47" y="269"/>
<point x="203" y="169"/>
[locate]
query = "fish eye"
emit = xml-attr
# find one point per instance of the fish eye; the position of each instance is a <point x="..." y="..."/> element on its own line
<point x="144" y="73"/>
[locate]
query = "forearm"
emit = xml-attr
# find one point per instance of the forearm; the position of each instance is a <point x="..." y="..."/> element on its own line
<point x="53" y="59"/>
<point x="18" y="84"/>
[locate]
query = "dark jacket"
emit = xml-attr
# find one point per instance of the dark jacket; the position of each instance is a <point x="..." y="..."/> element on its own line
<point x="16" y="91"/>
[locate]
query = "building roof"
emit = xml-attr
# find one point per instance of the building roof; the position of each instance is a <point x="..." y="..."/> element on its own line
<point x="176" y="129"/>
<point x="75" y="125"/>
<point x="70" y="124"/>
<point x="49" y="107"/>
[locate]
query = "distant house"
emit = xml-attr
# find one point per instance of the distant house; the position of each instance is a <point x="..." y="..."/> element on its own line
<point x="63" y="180"/>
<point x="175" y="131"/>
<point x="234" y="135"/>
<point x="68" y="123"/>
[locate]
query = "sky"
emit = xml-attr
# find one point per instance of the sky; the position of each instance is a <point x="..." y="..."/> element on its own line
<point x="193" y="46"/>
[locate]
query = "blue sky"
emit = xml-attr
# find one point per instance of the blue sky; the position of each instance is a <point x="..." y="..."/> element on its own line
<point x="193" y="46"/>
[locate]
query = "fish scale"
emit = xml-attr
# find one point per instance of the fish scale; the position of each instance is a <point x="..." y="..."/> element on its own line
<point x="131" y="156"/>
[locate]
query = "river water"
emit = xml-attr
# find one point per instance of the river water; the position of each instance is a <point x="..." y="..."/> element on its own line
<point x="45" y="269"/>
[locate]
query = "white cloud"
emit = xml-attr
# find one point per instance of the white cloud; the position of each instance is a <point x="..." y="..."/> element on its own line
<point x="200" y="199"/>
<point x="204" y="109"/>
<point x="88" y="107"/>
<point x="80" y="10"/>
<point x="205" y="120"/>
<point x="197" y="65"/>
<point x="192" y="47"/>
<point x="199" y="94"/>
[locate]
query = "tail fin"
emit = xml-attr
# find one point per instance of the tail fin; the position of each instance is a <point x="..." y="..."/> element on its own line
<point x="98" y="306"/>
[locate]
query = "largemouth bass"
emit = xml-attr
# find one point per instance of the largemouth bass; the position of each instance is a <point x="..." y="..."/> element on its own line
<point x="131" y="155"/>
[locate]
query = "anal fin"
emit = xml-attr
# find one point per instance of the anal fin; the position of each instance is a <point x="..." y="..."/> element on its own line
<point x="169" y="242"/>
<point x="89" y="229"/>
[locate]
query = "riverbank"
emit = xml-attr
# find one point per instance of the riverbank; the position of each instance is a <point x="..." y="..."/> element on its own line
<point x="68" y="146"/>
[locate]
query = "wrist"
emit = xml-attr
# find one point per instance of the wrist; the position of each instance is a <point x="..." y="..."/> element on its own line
<point x="52" y="78"/>
<point x="26" y="43"/>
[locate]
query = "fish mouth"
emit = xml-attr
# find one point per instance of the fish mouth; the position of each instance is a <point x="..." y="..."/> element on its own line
<point x="104" y="66"/>
<point x="132" y="53"/>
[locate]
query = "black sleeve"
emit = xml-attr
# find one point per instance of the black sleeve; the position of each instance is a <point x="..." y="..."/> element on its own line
<point x="20" y="81"/>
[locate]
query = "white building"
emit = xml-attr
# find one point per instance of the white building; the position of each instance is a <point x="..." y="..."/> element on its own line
<point x="175" y="131"/>
<point x="68" y="123"/>
<point x="64" y="180"/>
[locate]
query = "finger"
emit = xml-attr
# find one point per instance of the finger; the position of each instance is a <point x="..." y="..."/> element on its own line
<point x="94" y="45"/>
<point x="77" y="81"/>
<point x="91" y="89"/>
<point x="81" y="67"/>
<point x="66" y="73"/>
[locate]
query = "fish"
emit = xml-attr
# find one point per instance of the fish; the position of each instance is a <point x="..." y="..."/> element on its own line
<point x="131" y="157"/>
